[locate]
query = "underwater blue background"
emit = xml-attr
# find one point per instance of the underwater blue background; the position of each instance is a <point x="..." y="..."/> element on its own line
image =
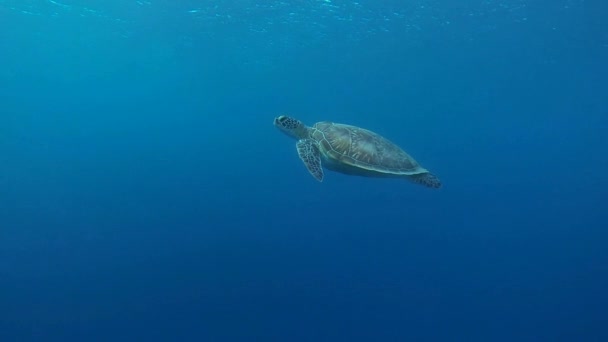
<point x="146" y="196"/>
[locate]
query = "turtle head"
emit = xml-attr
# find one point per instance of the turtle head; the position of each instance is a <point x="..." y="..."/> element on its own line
<point x="292" y="127"/>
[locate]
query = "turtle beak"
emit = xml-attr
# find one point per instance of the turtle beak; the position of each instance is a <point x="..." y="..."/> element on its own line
<point x="278" y="119"/>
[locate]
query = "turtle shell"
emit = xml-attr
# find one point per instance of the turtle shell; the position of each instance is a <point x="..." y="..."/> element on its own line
<point x="362" y="149"/>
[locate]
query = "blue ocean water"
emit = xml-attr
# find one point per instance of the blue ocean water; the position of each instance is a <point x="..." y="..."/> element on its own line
<point x="146" y="196"/>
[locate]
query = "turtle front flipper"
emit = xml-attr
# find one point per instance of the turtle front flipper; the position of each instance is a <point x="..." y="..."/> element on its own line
<point x="310" y="155"/>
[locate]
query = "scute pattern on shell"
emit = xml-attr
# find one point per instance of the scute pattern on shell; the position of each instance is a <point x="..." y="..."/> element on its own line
<point x="363" y="148"/>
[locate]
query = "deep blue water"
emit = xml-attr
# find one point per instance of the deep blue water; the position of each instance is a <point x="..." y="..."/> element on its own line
<point x="146" y="196"/>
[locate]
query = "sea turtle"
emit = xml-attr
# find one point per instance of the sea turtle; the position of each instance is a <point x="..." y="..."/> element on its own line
<point x="352" y="150"/>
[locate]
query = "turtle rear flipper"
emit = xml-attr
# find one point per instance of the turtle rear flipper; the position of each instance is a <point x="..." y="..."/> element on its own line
<point x="310" y="155"/>
<point x="427" y="179"/>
